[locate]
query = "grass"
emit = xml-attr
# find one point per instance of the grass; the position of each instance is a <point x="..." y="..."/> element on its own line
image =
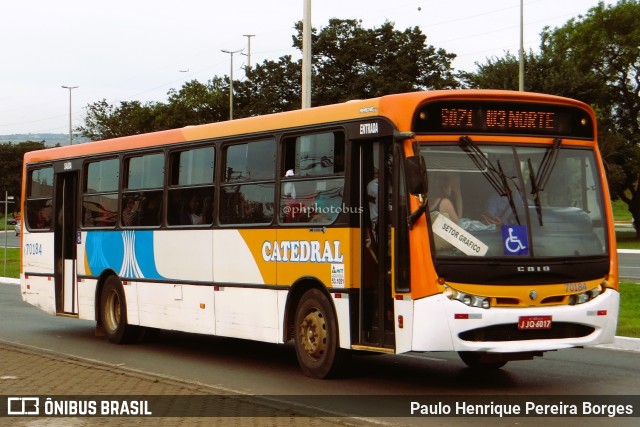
<point x="621" y="211"/>
<point x="13" y="262"/>
<point x="627" y="240"/>
<point x="624" y="239"/>
<point x="629" y="318"/>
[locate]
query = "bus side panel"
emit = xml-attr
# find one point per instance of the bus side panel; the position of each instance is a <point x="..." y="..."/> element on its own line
<point x="184" y="254"/>
<point x="236" y="257"/>
<point x="37" y="253"/>
<point x="342" y="306"/>
<point x="187" y="308"/>
<point x="37" y="258"/>
<point x="39" y="291"/>
<point x="243" y="308"/>
<point x="403" y="328"/>
<point x="431" y="328"/>
<point x="320" y="253"/>
<point x="87" y="298"/>
<point x="247" y="313"/>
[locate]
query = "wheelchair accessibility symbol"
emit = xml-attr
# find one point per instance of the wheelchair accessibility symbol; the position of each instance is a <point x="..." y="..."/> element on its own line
<point x="515" y="240"/>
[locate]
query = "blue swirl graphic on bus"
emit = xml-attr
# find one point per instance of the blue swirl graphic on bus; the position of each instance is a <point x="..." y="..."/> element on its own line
<point x="129" y="253"/>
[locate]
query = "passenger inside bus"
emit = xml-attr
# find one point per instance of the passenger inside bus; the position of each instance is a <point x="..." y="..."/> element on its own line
<point x="447" y="196"/>
<point x="497" y="209"/>
<point x="43" y="220"/>
<point x="289" y="189"/>
<point x="150" y="214"/>
<point x="131" y="210"/>
<point x="192" y="212"/>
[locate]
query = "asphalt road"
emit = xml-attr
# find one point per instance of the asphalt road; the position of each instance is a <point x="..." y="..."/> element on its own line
<point x="373" y="384"/>
<point x="629" y="265"/>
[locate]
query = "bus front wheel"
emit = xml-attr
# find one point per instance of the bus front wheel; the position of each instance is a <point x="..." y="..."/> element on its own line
<point x="316" y="337"/>
<point x="113" y="313"/>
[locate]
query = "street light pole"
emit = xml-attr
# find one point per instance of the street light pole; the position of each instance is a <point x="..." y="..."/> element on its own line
<point x="248" y="36"/>
<point x="70" y="127"/>
<point x="306" y="55"/>
<point x="7" y="198"/>
<point x="521" y="60"/>
<point x="231" y="82"/>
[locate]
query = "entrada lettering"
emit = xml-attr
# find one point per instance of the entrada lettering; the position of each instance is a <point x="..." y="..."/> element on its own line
<point x="302" y="251"/>
<point x="368" y="128"/>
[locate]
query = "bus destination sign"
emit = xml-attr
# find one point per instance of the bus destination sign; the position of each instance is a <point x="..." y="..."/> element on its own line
<point x="490" y="117"/>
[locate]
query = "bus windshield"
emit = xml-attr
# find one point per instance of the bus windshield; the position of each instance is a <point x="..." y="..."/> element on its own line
<point x="490" y="200"/>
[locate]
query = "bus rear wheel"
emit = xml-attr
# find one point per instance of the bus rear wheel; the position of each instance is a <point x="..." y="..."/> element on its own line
<point x="316" y="337"/>
<point x="113" y="313"/>
<point x="481" y="360"/>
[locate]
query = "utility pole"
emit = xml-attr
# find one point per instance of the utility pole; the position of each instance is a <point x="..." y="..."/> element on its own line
<point x="7" y="198"/>
<point x="248" y="36"/>
<point x="306" y="55"/>
<point x="521" y="61"/>
<point x="231" y="82"/>
<point x="70" y="127"/>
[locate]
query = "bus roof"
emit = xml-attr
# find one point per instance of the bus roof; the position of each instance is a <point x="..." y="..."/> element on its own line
<point x="385" y="106"/>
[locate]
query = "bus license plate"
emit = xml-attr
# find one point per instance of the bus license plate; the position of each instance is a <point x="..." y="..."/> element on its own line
<point x="534" y="322"/>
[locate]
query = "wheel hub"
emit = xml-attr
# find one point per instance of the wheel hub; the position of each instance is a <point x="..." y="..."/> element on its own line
<point x="313" y="334"/>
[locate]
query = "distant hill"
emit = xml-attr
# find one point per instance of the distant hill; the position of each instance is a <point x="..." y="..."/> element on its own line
<point x="50" y="139"/>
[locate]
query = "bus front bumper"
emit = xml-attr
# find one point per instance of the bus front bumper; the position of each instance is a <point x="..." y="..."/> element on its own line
<point x="441" y="324"/>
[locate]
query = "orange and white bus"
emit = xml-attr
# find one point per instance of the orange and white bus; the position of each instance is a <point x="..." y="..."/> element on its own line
<point x="469" y="221"/>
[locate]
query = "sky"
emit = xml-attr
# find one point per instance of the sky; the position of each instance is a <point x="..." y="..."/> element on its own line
<point x="128" y="50"/>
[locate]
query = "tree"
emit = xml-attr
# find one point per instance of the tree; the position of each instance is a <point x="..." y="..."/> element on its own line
<point x="606" y="44"/>
<point x="104" y="121"/>
<point x="594" y="58"/>
<point x="195" y="103"/>
<point x="270" y="87"/>
<point x="351" y="62"/>
<point x="11" y="156"/>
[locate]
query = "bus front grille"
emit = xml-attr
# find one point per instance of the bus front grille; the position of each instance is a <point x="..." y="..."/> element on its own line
<point x="510" y="332"/>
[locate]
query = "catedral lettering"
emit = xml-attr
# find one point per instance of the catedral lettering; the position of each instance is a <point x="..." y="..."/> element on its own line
<point x="302" y="251"/>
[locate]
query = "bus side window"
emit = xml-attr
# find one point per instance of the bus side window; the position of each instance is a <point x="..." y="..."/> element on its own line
<point x="312" y="186"/>
<point x="100" y="193"/>
<point x="142" y="195"/>
<point x="191" y="187"/>
<point x="247" y="190"/>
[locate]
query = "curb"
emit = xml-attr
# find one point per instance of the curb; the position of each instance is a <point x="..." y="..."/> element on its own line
<point x="9" y="281"/>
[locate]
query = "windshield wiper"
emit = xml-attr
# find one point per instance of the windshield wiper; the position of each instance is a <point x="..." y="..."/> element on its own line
<point x="535" y="191"/>
<point x="495" y="176"/>
<point x="539" y="182"/>
<point x="483" y="164"/>
<point x="508" y="193"/>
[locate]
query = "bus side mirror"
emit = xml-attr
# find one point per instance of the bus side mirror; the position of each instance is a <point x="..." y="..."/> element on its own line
<point x="416" y="173"/>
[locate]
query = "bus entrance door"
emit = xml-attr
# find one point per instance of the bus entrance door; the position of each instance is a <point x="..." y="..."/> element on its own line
<point x="376" y="304"/>
<point x="66" y="191"/>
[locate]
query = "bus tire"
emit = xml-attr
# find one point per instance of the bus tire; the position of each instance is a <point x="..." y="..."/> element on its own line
<point x="316" y="337"/>
<point x="479" y="360"/>
<point x="113" y="313"/>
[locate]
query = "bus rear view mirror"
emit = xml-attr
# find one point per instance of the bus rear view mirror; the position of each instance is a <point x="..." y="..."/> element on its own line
<point x="416" y="175"/>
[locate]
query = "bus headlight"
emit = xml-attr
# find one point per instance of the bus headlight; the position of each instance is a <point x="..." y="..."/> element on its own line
<point x="467" y="299"/>
<point x="582" y="298"/>
<point x="585" y="296"/>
